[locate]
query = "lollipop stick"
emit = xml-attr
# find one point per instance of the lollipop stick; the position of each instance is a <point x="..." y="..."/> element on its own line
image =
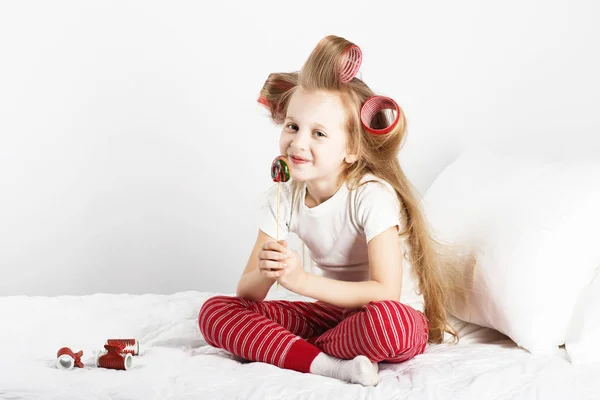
<point x="277" y="237"/>
<point x="278" y="186"/>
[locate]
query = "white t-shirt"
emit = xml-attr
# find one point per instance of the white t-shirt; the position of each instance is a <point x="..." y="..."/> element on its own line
<point x="336" y="232"/>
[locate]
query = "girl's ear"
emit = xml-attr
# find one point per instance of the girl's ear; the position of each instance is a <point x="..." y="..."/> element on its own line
<point x="351" y="158"/>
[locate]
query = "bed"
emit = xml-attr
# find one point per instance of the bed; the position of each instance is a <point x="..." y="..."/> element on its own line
<point x="175" y="362"/>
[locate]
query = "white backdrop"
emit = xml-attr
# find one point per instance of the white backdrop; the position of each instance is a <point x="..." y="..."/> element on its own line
<point x="133" y="154"/>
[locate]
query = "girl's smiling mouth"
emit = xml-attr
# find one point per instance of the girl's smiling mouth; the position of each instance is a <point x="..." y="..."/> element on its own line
<point x="298" y="160"/>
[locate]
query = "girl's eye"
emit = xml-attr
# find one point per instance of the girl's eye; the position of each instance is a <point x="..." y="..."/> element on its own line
<point x="294" y="128"/>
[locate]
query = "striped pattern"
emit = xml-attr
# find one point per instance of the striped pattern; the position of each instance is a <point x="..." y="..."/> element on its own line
<point x="290" y="334"/>
<point x="353" y="59"/>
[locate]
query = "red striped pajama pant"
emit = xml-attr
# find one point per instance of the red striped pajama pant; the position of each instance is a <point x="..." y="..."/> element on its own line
<point x="290" y="334"/>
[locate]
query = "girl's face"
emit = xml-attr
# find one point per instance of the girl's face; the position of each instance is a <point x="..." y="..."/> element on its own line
<point x="314" y="137"/>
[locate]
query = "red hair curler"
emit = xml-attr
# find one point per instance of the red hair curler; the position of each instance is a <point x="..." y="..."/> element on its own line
<point x="66" y="359"/>
<point x="264" y="102"/>
<point x="372" y="106"/>
<point x="132" y="346"/>
<point x="114" y="358"/>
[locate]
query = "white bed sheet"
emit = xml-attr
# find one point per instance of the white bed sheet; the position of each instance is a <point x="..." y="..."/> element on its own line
<point x="175" y="363"/>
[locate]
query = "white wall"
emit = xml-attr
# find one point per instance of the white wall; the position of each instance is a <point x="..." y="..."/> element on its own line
<point x="133" y="154"/>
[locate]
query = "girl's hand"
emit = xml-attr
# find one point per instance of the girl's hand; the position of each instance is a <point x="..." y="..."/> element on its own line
<point x="293" y="275"/>
<point x="276" y="261"/>
<point x="272" y="260"/>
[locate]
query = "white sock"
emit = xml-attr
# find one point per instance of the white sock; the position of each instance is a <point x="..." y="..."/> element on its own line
<point x="358" y="370"/>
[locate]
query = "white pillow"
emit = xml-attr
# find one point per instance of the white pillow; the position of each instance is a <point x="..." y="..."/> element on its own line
<point x="582" y="343"/>
<point x="533" y="225"/>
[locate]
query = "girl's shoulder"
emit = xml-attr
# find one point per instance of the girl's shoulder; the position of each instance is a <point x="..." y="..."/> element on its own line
<point x="370" y="184"/>
<point x="375" y="205"/>
<point x="374" y="192"/>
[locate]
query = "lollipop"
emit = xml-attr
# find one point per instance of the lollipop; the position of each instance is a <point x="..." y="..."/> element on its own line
<point x="280" y="169"/>
<point x="280" y="172"/>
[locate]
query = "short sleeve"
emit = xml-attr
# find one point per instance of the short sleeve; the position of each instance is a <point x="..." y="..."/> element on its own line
<point x="268" y="212"/>
<point x="377" y="208"/>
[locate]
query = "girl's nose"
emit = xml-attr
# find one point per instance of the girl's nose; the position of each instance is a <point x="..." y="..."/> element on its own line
<point x="300" y="141"/>
<point x="298" y="146"/>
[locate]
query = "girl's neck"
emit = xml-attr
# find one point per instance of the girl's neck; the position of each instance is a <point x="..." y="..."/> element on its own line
<point x="318" y="192"/>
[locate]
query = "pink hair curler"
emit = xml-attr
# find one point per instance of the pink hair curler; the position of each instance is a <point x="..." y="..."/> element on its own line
<point x="66" y="359"/>
<point x="372" y="106"/>
<point x="351" y="65"/>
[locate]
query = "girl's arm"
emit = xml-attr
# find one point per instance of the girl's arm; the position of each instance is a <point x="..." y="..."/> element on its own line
<point x="253" y="285"/>
<point x="385" y="264"/>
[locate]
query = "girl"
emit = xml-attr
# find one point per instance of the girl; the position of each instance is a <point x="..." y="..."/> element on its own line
<point x="350" y="203"/>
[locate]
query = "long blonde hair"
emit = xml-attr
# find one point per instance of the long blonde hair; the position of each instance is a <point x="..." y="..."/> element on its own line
<point x="435" y="264"/>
